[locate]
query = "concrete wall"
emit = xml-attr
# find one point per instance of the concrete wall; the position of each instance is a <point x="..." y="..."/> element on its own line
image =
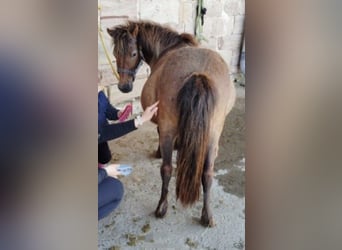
<point x="223" y="24"/>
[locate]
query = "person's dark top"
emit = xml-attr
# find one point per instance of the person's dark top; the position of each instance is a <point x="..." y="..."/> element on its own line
<point x="106" y="111"/>
<point x="106" y="131"/>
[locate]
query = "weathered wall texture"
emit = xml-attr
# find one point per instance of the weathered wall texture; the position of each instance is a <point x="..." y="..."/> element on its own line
<point x="223" y="24"/>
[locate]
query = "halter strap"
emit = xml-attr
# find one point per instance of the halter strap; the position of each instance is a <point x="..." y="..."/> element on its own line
<point x="133" y="72"/>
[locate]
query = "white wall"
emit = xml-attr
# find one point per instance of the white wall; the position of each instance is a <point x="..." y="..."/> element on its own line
<point x="223" y="24"/>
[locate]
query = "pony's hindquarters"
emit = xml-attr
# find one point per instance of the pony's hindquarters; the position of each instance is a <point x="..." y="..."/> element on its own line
<point x="196" y="104"/>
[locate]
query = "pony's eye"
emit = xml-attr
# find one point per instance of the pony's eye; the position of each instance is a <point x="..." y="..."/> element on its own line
<point x="134" y="54"/>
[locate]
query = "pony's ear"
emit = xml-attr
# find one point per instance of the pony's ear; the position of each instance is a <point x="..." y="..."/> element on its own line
<point x="116" y="32"/>
<point x="111" y="32"/>
<point x="135" y="31"/>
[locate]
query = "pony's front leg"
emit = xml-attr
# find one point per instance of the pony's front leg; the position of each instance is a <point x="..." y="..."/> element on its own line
<point x="165" y="171"/>
<point x="158" y="153"/>
<point x="207" y="180"/>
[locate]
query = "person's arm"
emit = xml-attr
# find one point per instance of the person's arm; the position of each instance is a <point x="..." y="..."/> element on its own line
<point x="113" y="131"/>
<point x="110" y="111"/>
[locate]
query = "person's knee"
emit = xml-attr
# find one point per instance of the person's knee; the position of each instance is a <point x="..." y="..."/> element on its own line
<point x="117" y="187"/>
<point x="110" y="195"/>
<point x="120" y="188"/>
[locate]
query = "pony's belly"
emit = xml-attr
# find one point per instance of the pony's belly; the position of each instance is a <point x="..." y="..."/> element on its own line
<point x="148" y="94"/>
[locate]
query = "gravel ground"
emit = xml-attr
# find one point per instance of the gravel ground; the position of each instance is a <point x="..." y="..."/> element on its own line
<point x="133" y="225"/>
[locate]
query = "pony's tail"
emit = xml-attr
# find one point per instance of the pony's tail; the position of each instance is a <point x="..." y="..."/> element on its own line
<point x="195" y="103"/>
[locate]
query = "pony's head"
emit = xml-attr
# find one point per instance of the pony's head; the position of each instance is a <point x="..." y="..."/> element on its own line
<point x="127" y="54"/>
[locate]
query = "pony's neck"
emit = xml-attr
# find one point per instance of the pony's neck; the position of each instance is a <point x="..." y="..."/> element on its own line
<point x="154" y="43"/>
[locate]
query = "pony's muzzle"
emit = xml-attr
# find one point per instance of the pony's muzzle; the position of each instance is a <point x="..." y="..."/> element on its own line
<point x="126" y="87"/>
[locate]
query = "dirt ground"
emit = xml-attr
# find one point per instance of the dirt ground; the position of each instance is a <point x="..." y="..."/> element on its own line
<point x="133" y="225"/>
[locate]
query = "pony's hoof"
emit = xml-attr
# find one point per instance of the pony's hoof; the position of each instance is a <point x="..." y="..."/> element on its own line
<point x="207" y="222"/>
<point x="161" y="211"/>
<point x="160" y="214"/>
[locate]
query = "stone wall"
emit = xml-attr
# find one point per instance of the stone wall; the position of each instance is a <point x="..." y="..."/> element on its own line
<point x="223" y="24"/>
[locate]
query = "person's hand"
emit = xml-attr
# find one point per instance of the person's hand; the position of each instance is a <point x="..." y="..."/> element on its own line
<point x="112" y="170"/>
<point x="149" y="112"/>
<point x="124" y="113"/>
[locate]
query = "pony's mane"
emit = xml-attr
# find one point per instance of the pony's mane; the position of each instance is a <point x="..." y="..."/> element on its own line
<point x="153" y="33"/>
<point x="164" y="34"/>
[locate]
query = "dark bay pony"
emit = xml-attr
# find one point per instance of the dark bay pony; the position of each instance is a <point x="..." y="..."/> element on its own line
<point x="195" y="94"/>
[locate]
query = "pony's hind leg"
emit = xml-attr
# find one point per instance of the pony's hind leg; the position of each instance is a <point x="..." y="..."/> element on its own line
<point x="207" y="179"/>
<point x="166" y="145"/>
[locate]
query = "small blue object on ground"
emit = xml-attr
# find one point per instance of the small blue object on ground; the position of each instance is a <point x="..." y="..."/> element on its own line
<point x="125" y="169"/>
